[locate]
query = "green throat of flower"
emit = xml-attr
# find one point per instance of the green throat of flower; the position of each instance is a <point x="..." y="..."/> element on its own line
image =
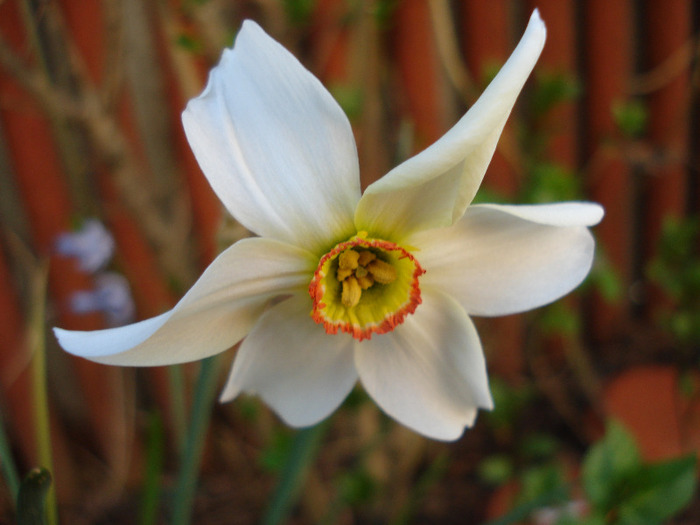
<point x="365" y="286"/>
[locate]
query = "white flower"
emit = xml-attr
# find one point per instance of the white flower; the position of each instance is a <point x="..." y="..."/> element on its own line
<point x="377" y="287"/>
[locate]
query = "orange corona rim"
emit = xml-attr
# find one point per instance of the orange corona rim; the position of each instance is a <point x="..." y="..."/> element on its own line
<point x="365" y="286"/>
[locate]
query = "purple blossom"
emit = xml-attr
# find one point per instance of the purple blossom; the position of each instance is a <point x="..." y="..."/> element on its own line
<point x="111" y="296"/>
<point x="92" y="245"/>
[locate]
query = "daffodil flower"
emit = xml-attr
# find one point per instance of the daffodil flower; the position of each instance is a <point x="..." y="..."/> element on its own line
<point x="339" y="285"/>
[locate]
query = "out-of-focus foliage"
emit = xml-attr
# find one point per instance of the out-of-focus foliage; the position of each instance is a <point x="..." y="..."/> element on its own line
<point x="618" y="487"/>
<point x="676" y="270"/>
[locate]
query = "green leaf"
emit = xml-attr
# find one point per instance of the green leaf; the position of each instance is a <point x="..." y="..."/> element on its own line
<point x="303" y="451"/>
<point x="593" y="519"/>
<point x="299" y="11"/>
<point x="496" y="469"/>
<point x="31" y="500"/>
<point x="547" y="479"/>
<point x="553" y="88"/>
<point x="357" y="487"/>
<point x="539" y="446"/>
<point x="349" y="98"/>
<point x="631" y="117"/>
<point x="608" y="465"/>
<point x="548" y="182"/>
<point x="605" y="278"/>
<point x="659" y="491"/>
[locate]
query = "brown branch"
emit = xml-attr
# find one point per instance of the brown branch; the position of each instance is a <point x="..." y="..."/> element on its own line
<point x="113" y="149"/>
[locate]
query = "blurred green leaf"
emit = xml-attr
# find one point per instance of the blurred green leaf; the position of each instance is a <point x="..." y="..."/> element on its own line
<point x="496" y="469"/>
<point x="605" y="278"/>
<point x="676" y="270"/>
<point x="553" y="88"/>
<point x="508" y="402"/>
<point x="543" y="480"/>
<point x="349" y="98"/>
<point x="357" y="487"/>
<point x="277" y="450"/>
<point x="302" y="453"/>
<point x="620" y="485"/>
<point x="383" y="11"/>
<point x="188" y="43"/>
<point x="299" y="11"/>
<point x="549" y="182"/>
<point x="489" y="196"/>
<point x="658" y="491"/>
<point x="539" y="446"/>
<point x="631" y="117"/>
<point x="559" y="319"/>
<point x="608" y="465"/>
<point x="593" y="519"/>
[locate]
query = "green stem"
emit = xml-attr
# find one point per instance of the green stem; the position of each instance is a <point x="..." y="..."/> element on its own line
<point x="9" y="469"/>
<point x="150" y="493"/>
<point x="177" y="404"/>
<point x="194" y="442"/>
<point x="37" y="343"/>
<point x="302" y="454"/>
<point x="31" y="500"/>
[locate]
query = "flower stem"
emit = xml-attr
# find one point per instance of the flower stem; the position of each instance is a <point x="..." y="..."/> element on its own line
<point x="194" y="441"/>
<point x="177" y="404"/>
<point x="301" y="455"/>
<point x="150" y="492"/>
<point x="37" y="345"/>
<point x="9" y="469"/>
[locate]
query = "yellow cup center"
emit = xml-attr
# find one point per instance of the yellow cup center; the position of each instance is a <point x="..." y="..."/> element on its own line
<point x="365" y="286"/>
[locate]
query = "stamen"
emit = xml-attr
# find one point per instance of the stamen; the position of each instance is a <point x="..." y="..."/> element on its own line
<point x="365" y="286"/>
<point x="343" y="274"/>
<point x="366" y="281"/>
<point x="366" y="257"/>
<point x="382" y="272"/>
<point x="351" y="292"/>
<point x="348" y="260"/>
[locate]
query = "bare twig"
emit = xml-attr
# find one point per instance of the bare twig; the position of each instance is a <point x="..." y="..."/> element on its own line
<point x="666" y="71"/>
<point x="88" y="109"/>
<point x="448" y="51"/>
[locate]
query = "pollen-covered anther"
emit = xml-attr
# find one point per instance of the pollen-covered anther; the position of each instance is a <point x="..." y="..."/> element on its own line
<point x="366" y="257"/>
<point x="351" y="293"/>
<point x="359" y="270"/>
<point x="348" y="260"/>
<point x="365" y="286"/>
<point x="382" y="272"/>
<point x="365" y="281"/>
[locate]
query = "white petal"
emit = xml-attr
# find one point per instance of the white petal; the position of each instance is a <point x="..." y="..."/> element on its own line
<point x="274" y="145"/>
<point x="499" y="260"/>
<point x="289" y="360"/>
<point x="434" y="188"/>
<point x="571" y="213"/>
<point x="429" y="373"/>
<point x="217" y="312"/>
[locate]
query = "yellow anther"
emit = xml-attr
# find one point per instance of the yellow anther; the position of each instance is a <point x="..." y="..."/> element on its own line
<point x="366" y="281"/>
<point x="382" y="272"/>
<point x="342" y="274"/>
<point x="351" y="292"/>
<point x="365" y="257"/>
<point x="348" y="260"/>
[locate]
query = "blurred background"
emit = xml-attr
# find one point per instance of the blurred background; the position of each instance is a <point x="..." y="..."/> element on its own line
<point x="106" y="219"/>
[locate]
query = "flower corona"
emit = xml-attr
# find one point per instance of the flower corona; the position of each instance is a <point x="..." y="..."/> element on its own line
<point x="365" y="286"/>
